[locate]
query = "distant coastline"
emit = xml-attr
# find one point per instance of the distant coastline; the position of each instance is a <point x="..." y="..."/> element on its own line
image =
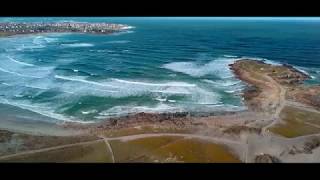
<point x="10" y="29"/>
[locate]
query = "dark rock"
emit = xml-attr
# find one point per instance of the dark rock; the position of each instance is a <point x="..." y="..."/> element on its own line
<point x="315" y="100"/>
<point x="266" y="158"/>
<point x="5" y="136"/>
<point x="310" y="145"/>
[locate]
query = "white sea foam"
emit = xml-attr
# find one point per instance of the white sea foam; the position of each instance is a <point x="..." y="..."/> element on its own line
<point x="36" y="87"/>
<point x="123" y="88"/>
<point x="89" y="112"/>
<point x="161" y="99"/>
<point x="45" y="109"/>
<point x="185" y="92"/>
<point x="127" y="27"/>
<point x="229" y="56"/>
<point x="192" y="91"/>
<point x="231" y="91"/>
<point x="5" y="84"/>
<point x="118" y="42"/>
<point x="301" y="69"/>
<point x="121" y="32"/>
<point x="19" y="62"/>
<point x="223" y="83"/>
<point x="124" y="110"/>
<point x="18" y="95"/>
<point x="18" y="74"/>
<point x="218" y="67"/>
<point x="80" y="79"/>
<point x="40" y="40"/>
<point x="78" y="45"/>
<point x="22" y="69"/>
<point x="40" y="109"/>
<point x="177" y="84"/>
<point x="30" y="47"/>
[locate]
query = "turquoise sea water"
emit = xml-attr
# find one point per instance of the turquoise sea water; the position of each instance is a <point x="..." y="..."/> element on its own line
<point x="161" y="65"/>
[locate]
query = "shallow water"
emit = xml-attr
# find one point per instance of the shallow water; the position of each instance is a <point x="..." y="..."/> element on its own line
<point x="161" y="65"/>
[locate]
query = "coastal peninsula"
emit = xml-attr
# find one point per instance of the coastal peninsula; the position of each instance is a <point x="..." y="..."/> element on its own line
<point x="281" y="124"/>
<point x="9" y="29"/>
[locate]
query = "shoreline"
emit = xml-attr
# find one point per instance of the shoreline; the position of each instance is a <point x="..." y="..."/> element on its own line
<point x="264" y="131"/>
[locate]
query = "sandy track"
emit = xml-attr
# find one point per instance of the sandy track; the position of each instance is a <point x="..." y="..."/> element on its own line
<point x="48" y="149"/>
<point x="139" y="136"/>
<point x="109" y="147"/>
<point x="128" y="138"/>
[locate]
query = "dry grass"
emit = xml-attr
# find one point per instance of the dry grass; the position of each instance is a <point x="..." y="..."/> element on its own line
<point x="11" y="142"/>
<point x="238" y="129"/>
<point x="196" y="151"/>
<point x="170" y="149"/>
<point x="142" y="130"/>
<point x="130" y="151"/>
<point x="297" y="122"/>
<point x="92" y="152"/>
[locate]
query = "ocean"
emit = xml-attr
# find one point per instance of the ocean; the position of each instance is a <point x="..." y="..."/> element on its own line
<point x="160" y="65"/>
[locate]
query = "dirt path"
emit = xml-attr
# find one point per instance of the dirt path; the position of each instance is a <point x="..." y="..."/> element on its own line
<point x="280" y="106"/>
<point x="301" y="106"/>
<point x="276" y="96"/>
<point x="128" y="138"/>
<point x="109" y="147"/>
<point x="139" y="136"/>
<point x="48" y="149"/>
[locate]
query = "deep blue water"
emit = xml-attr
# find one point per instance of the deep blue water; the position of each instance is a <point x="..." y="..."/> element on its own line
<point x="161" y="65"/>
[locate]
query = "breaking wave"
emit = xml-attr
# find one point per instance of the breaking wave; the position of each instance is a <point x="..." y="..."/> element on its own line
<point x="19" y="62"/>
<point x="218" y="67"/>
<point x="78" y="45"/>
<point x="125" y="110"/>
<point x="42" y="110"/>
<point x="176" y="84"/>
<point x="118" y="42"/>
<point x="18" y="74"/>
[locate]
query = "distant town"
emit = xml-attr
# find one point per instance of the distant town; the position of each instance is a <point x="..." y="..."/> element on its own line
<point x="29" y="28"/>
